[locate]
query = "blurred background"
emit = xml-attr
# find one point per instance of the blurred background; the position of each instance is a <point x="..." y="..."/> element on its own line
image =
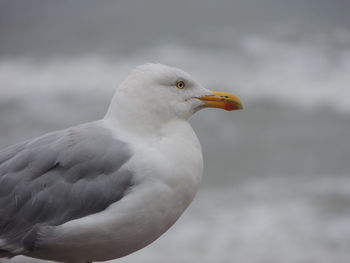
<point x="276" y="186"/>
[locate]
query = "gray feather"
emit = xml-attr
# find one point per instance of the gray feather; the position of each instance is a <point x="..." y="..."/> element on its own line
<point x="59" y="177"/>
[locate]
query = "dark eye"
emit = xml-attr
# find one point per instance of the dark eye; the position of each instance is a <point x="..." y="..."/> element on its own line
<point x="180" y="84"/>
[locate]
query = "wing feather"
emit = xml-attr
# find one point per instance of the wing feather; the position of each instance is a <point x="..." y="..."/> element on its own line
<point x="59" y="177"/>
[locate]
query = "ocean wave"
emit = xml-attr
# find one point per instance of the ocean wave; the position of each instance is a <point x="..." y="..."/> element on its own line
<point x="307" y="73"/>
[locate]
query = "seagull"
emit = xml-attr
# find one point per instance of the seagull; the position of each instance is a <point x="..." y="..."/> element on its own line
<point x="105" y="189"/>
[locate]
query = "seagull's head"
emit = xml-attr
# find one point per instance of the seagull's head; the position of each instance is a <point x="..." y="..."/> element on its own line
<point x="160" y="92"/>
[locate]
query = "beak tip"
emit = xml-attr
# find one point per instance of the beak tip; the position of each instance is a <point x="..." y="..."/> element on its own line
<point x="230" y="106"/>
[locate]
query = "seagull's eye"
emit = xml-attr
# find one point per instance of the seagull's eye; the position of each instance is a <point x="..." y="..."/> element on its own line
<point x="180" y="84"/>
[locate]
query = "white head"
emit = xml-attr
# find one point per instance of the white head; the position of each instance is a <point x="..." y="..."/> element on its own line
<point x="154" y="93"/>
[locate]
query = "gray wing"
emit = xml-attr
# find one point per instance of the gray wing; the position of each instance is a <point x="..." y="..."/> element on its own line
<point x="59" y="177"/>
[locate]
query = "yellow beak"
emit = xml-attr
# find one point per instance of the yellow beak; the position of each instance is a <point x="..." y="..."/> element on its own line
<point x="222" y="100"/>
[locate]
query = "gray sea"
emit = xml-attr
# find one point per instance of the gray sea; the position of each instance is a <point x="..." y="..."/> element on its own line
<point x="276" y="186"/>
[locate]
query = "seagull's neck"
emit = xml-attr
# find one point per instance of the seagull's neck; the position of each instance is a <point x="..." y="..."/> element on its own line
<point x="137" y="121"/>
<point x="173" y="138"/>
<point x="144" y="127"/>
<point x="148" y="128"/>
<point x="136" y="126"/>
